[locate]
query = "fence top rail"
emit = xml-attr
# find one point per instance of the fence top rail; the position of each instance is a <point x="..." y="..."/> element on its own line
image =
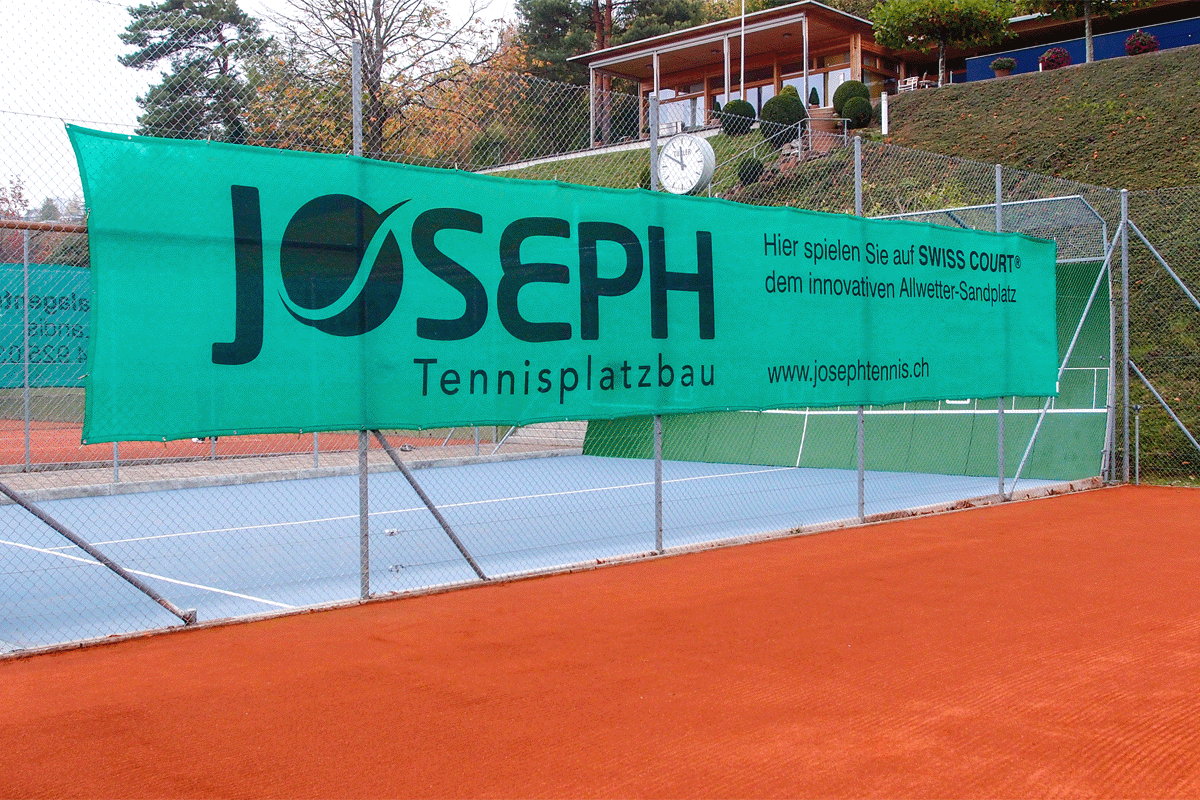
<point x="57" y="227"/>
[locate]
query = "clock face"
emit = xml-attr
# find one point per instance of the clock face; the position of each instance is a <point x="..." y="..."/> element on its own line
<point x="685" y="164"/>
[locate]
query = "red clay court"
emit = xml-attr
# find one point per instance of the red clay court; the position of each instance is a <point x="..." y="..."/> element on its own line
<point x="1047" y="648"/>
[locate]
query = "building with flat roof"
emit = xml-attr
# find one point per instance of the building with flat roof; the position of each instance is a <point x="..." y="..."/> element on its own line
<point x="812" y="46"/>
<point x="806" y="44"/>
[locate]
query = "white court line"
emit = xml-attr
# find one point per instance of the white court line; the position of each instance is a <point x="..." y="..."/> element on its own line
<point x="465" y="504"/>
<point x="89" y="561"/>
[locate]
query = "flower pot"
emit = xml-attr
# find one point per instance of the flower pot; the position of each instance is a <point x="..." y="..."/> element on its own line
<point x="1000" y="73"/>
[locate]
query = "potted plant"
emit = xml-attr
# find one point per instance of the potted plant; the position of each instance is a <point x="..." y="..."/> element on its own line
<point x="1140" y="42"/>
<point x="1003" y="66"/>
<point x="814" y="99"/>
<point x="1055" y="58"/>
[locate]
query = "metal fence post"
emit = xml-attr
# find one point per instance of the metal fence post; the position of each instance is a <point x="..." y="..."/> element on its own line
<point x="858" y="204"/>
<point x="1110" y="428"/>
<point x="591" y="107"/>
<point x="1000" y="400"/>
<point x="653" y="142"/>
<point x="1137" y="444"/>
<point x="1000" y="445"/>
<point x="883" y="112"/>
<point x="316" y="451"/>
<point x="862" y="481"/>
<point x="429" y="504"/>
<point x="1125" y="325"/>
<point x="356" y="94"/>
<point x="862" y="469"/>
<point x="658" y="523"/>
<point x="364" y="520"/>
<point x="25" y="346"/>
<point x="999" y="199"/>
<point x="188" y="615"/>
<point x="116" y="463"/>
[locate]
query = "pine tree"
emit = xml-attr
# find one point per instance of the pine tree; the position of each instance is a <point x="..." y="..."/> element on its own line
<point x="204" y="42"/>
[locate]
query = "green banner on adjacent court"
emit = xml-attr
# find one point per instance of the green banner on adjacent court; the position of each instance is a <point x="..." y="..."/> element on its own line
<point x="51" y="334"/>
<point x="239" y="290"/>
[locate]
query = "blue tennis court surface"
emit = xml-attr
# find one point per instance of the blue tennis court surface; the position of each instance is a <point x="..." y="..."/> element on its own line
<point x="256" y="548"/>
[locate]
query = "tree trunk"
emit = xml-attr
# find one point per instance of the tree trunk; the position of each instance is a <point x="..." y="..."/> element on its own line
<point x="1087" y="32"/>
<point x="941" y="60"/>
<point x="602" y="21"/>
<point x="375" y="110"/>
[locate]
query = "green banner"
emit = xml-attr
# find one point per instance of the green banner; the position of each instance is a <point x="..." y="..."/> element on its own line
<point x="55" y="328"/>
<point x="239" y="290"/>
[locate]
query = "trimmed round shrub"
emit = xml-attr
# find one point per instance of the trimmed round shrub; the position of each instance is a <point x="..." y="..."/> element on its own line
<point x="814" y="97"/>
<point x="737" y="118"/>
<point x="750" y="169"/>
<point x="1002" y="63"/>
<point x="1140" y="42"/>
<point x="846" y="91"/>
<point x="1055" y="58"/>
<point x="858" y="110"/>
<point x="781" y="116"/>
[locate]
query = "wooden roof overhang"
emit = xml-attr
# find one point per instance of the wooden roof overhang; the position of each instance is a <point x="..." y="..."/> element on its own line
<point x="771" y="31"/>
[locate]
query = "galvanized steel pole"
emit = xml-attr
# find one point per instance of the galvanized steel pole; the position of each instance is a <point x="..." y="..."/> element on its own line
<point x="364" y="520"/>
<point x="862" y="469"/>
<point x="25" y="346"/>
<point x="1000" y="400"/>
<point x="188" y="616"/>
<point x="858" y="204"/>
<point x="654" y="141"/>
<point x="658" y="496"/>
<point x="1125" y="324"/>
<point x="356" y="94"/>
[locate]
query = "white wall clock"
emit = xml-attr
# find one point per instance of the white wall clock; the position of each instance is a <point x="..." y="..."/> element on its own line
<point x="685" y="164"/>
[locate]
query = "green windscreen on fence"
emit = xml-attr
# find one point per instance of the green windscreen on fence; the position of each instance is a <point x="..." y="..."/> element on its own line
<point x="942" y="437"/>
<point x="54" y="328"/>
<point x="240" y="289"/>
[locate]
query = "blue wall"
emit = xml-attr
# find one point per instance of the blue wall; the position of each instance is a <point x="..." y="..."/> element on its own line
<point x="1108" y="45"/>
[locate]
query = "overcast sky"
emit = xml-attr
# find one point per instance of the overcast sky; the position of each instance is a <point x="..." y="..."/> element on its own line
<point x="58" y="62"/>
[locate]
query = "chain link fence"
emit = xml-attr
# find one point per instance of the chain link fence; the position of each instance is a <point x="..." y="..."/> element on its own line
<point x="247" y="525"/>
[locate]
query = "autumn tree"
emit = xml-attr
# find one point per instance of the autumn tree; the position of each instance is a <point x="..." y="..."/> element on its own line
<point x="205" y="43"/>
<point x="409" y="48"/>
<point x="1074" y="9"/>
<point x="13" y="203"/>
<point x="551" y="32"/>
<point x="298" y="104"/>
<point x="478" y="120"/>
<point x="916" y="24"/>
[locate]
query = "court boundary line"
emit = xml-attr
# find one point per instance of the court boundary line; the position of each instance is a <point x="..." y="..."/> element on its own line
<point x="152" y="575"/>
<point x="110" y="489"/>
<point x="414" y="509"/>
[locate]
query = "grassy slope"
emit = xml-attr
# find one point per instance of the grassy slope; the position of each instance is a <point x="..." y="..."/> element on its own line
<point x="1127" y="123"/>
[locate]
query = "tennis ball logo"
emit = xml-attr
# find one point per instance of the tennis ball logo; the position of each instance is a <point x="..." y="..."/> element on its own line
<point x="342" y="270"/>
